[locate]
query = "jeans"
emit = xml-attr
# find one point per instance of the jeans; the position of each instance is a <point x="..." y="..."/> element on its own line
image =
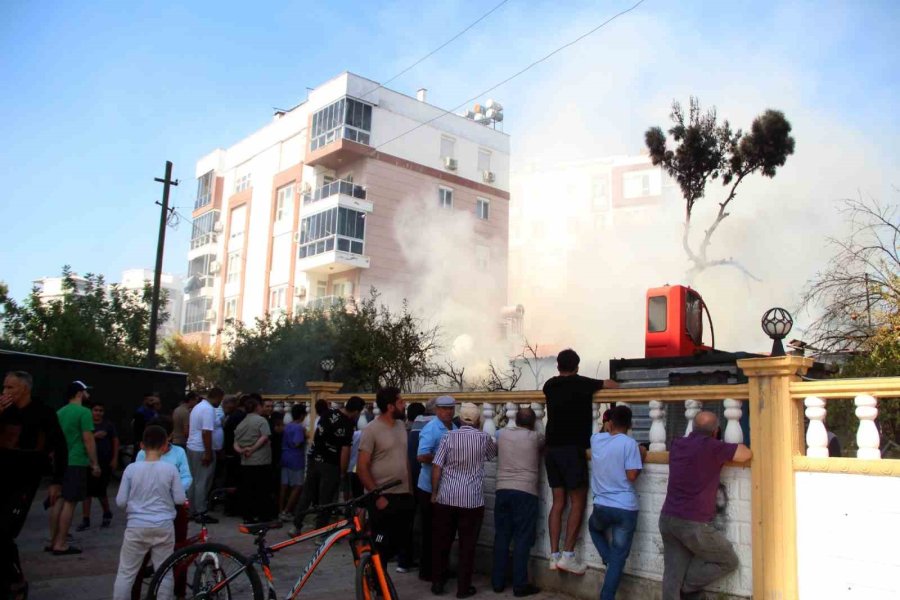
<point x="620" y="524"/>
<point x="323" y="481"/>
<point x="515" y="520"/>
<point x="695" y="555"/>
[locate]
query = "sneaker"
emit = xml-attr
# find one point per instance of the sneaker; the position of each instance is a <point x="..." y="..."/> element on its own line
<point x="293" y="532"/>
<point x="106" y="520"/>
<point x="400" y="569"/>
<point x="526" y="590"/>
<point x="85" y="525"/>
<point x="286" y="516"/>
<point x="554" y="559"/>
<point x="570" y="564"/>
<point x="206" y="520"/>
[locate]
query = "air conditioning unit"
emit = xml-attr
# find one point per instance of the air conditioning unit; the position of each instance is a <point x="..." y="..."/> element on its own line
<point x="305" y="188"/>
<point x="450" y="163"/>
<point x="218" y="227"/>
<point x="301" y="291"/>
<point x="487" y="176"/>
<point x="211" y="315"/>
<point x="214" y="267"/>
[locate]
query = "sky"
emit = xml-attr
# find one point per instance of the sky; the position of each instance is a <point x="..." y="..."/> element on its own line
<point x="97" y="96"/>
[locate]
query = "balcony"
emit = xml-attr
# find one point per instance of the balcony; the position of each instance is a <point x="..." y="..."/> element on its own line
<point x="334" y="188"/>
<point x="339" y="133"/>
<point x="334" y="254"/>
<point x="323" y="302"/>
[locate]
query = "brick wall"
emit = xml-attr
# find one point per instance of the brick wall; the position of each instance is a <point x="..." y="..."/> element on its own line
<point x="646" y="559"/>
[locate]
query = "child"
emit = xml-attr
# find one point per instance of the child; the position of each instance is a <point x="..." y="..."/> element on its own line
<point x="107" y="441"/>
<point x="149" y="492"/>
<point x="293" y="462"/>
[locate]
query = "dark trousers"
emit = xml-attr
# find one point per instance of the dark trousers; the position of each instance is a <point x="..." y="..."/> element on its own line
<point x="515" y="520"/>
<point x="232" y="480"/>
<point x="392" y="526"/>
<point x="426" y="518"/>
<point x="695" y="554"/>
<point x="620" y="525"/>
<point x="256" y="481"/>
<point x="323" y="481"/>
<point x="467" y="521"/>
<point x="22" y="473"/>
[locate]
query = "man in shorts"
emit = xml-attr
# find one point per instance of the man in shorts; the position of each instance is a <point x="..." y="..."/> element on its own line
<point x="77" y="424"/>
<point x="569" y="398"/>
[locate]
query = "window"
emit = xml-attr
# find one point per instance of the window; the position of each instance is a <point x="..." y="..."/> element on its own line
<point x="334" y="229"/>
<point x="321" y="288"/>
<point x="656" y="314"/>
<point x="598" y="193"/>
<point x="230" y="308"/>
<point x="234" y="267"/>
<point x="284" y="203"/>
<point x="482" y="208"/>
<point x="342" y="289"/>
<point x="445" y="197"/>
<point x="204" y="190"/>
<point x="484" y="160"/>
<point x="278" y="299"/>
<point x="195" y="315"/>
<point x="203" y="229"/>
<point x="448" y="147"/>
<point x="242" y="183"/>
<point x="347" y="118"/>
<point x="639" y="184"/>
<point x="238" y="218"/>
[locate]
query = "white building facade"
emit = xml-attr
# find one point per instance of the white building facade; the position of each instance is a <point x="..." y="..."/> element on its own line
<point x="310" y="208"/>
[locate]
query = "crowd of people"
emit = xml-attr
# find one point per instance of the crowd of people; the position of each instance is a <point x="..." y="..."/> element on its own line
<point x="436" y="454"/>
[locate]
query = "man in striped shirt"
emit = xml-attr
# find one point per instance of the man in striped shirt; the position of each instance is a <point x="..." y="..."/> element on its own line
<point x="457" y="479"/>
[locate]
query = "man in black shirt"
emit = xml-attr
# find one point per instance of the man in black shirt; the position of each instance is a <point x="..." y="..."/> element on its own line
<point x="569" y="398"/>
<point x="30" y="436"/>
<point x="328" y="459"/>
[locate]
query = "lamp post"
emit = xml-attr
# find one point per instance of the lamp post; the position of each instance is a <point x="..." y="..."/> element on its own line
<point x="327" y="366"/>
<point x="777" y="323"/>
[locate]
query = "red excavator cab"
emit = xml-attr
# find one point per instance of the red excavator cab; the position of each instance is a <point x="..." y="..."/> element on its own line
<point x="674" y="322"/>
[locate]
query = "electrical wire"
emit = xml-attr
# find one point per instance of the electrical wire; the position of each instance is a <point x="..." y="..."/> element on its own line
<point x="515" y="75"/>
<point x="436" y="50"/>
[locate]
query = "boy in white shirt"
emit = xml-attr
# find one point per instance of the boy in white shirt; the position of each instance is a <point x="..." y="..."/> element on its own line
<point x="149" y="492"/>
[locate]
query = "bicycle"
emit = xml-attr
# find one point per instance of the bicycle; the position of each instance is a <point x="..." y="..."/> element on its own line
<point x="232" y="575"/>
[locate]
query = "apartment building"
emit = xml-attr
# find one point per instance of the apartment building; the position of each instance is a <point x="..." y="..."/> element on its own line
<point x="308" y="209"/>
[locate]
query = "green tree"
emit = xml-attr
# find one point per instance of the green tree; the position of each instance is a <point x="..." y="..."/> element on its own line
<point x="372" y="344"/>
<point x="705" y="151"/>
<point x="93" y="321"/>
<point x="203" y="368"/>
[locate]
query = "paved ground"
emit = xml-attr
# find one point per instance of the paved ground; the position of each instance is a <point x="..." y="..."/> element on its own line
<point x="90" y="576"/>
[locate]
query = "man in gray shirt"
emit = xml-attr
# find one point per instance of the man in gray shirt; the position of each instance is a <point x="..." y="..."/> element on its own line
<point x="251" y="443"/>
<point x="516" y="501"/>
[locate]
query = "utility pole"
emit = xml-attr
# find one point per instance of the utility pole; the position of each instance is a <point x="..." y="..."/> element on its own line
<point x="157" y="274"/>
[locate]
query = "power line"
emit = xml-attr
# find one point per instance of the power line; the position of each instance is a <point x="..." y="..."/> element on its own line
<point x="438" y="49"/>
<point x="515" y="75"/>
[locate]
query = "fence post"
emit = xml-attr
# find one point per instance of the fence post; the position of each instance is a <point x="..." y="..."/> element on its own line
<point x="775" y="432"/>
<point x="318" y="390"/>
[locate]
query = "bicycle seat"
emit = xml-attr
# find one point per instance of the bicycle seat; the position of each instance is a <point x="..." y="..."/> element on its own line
<point x="256" y="528"/>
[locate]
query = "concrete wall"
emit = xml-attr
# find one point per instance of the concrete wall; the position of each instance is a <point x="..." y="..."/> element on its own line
<point x="646" y="559"/>
<point x="848" y="528"/>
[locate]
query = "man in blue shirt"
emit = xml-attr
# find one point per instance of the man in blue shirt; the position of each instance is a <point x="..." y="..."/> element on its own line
<point x="616" y="462"/>
<point x="429" y="439"/>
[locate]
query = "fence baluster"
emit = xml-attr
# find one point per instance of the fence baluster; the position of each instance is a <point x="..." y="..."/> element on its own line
<point x="489" y="427"/>
<point x="816" y="435"/>
<point x="657" y="426"/>
<point x="691" y="408"/>
<point x="867" y="438"/>
<point x="733" y="412"/>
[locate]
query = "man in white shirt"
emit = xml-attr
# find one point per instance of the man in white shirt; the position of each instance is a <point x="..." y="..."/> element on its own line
<point x="201" y="452"/>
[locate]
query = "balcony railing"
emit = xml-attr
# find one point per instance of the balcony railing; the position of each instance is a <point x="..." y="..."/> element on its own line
<point x="339" y="186"/>
<point x="202" y="240"/>
<point x="323" y="302"/>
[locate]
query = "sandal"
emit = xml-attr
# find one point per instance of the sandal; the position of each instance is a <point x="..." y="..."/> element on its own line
<point x="67" y="551"/>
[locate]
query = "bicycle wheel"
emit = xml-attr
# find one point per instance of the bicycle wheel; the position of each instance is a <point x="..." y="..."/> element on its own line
<point x="367" y="585"/>
<point x="213" y="572"/>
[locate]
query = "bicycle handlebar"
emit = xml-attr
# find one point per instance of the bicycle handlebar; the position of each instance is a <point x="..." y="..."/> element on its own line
<point x="353" y="502"/>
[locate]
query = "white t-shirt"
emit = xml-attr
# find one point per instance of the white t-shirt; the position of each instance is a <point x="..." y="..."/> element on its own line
<point x="203" y="417"/>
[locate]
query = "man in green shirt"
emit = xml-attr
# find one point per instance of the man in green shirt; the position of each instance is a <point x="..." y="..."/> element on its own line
<point x="77" y="425"/>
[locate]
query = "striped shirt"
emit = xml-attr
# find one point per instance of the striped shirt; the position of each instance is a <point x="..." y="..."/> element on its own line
<point x="461" y="457"/>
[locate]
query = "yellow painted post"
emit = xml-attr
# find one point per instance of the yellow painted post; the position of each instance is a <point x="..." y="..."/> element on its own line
<point x="775" y="438"/>
<point x="319" y="390"/>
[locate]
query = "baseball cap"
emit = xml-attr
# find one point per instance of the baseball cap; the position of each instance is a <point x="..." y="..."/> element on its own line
<point x="469" y="413"/>
<point x="444" y="402"/>
<point x="75" y="387"/>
